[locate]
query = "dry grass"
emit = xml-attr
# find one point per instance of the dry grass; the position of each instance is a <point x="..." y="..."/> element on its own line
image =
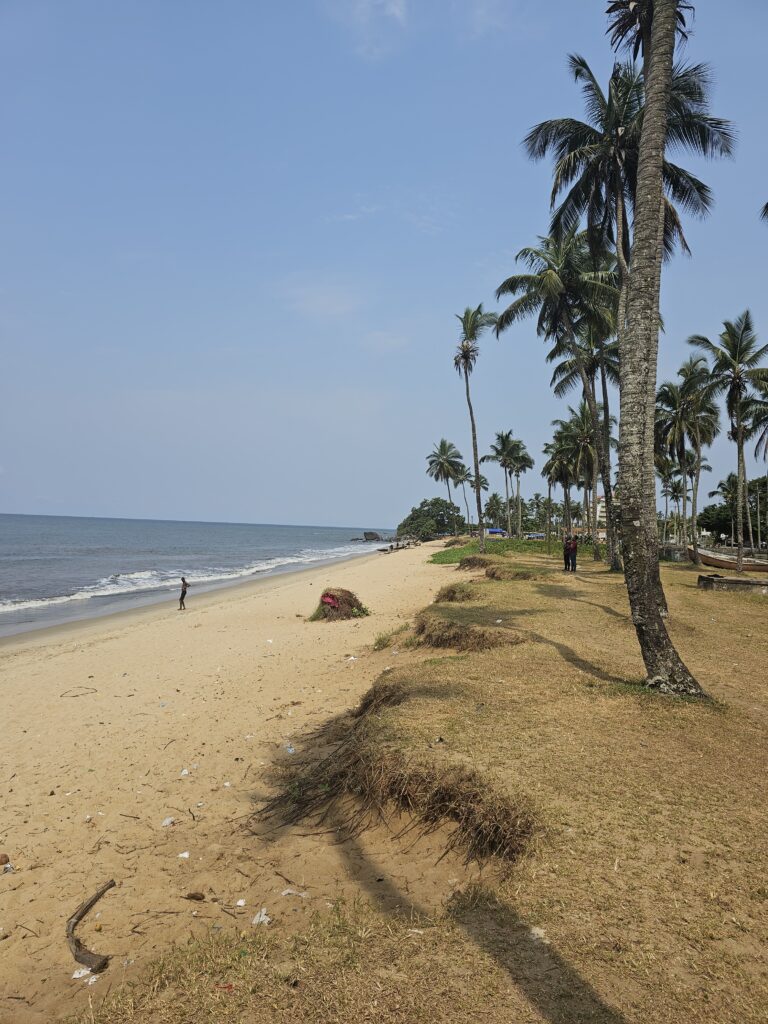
<point x="476" y="562"/>
<point x="336" y="604"/>
<point x="454" y="592"/>
<point x="507" y="573"/>
<point x="368" y="766"/>
<point x="434" y="628"/>
<point x="643" y="898"/>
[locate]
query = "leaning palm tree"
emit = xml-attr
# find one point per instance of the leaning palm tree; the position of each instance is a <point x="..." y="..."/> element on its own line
<point x="665" y="471"/>
<point x="736" y="373"/>
<point x="474" y="323"/>
<point x="444" y="464"/>
<point x="502" y="452"/>
<point x="597" y="163"/>
<point x="638" y="352"/>
<point x="566" y="288"/>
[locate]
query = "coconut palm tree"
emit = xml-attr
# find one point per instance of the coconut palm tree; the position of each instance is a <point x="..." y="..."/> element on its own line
<point x="521" y="462"/>
<point x="568" y="289"/>
<point x="444" y="464"/>
<point x="494" y="509"/>
<point x="735" y="374"/>
<point x="698" y="390"/>
<point x="665" y="470"/>
<point x="597" y="165"/>
<point x="474" y="323"/>
<point x="727" y="491"/>
<point x="638" y="353"/>
<point x="502" y="452"/>
<point x="462" y="478"/>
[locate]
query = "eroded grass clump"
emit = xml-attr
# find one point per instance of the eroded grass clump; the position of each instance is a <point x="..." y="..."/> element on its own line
<point x="336" y="604"/>
<point x="455" y="542"/>
<point x="366" y="774"/>
<point x="507" y="573"/>
<point x="476" y="562"/>
<point x="433" y="630"/>
<point x="455" y="592"/>
<point x="384" y="640"/>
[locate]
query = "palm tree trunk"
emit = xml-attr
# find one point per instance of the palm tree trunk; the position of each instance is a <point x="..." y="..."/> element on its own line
<point x="759" y="537"/>
<point x="666" y="513"/>
<point x="664" y="667"/>
<point x="549" y="517"/>
<point x="567" y="507"/>
<point x="685" y="501"/>
<point x="519" y="510"/>
<point x="595" y="543"/>
<point x="450" y="502"/>
<point x="598" y="427"/>
<point x="749" y="513"/>
<point x="509" y="510"/>
<point x="480" y="531"/>
<point x="466" y="506"/>
<point x="739" y="496"/>
<point x="695" y="498"/>
<point x="611" y="519"/>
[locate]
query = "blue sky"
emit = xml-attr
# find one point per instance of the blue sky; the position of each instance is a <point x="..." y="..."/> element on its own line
<point x="234" y="236"/>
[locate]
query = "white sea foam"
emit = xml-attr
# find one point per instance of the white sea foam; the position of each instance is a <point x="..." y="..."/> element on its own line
<point x="148" y="580"/>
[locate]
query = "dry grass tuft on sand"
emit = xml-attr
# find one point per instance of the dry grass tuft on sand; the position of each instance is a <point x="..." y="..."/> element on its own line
<point x="368" y="774"/>
<point x="507" y="573"/>
<point x="337" y="604"/>
<point x="455" y="592"/>
<point x="433" y="628"/>
<point x="476" y="562"/>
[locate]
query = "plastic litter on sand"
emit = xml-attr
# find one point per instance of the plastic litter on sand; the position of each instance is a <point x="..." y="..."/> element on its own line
<point x="167" y="822"/>
<point x="293" y="892"/>
<point x="262" y="917"/>
<point x="185" y="855"/>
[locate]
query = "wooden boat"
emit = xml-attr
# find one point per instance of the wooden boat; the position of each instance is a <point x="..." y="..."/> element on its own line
<point x="720" y="561"/>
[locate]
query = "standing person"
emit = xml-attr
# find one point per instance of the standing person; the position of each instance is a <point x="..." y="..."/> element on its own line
<point x="573" y="547"/>
<point x="183" y="594"/>
<point x="566" y="552"/>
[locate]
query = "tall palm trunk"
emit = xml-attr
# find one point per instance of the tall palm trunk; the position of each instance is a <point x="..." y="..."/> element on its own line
<point x="595" y="542"/>
<point x="519" y="509"/>
<point x="695" y="498"/>
<point x="666" y="513"/>
<point x="598" y="427"/>
<point x="567" y="507"/>
<point x="739" y="495"/>
<point x="665" y="669"/>
<point x="748" y="511"/>
<point x="611" y="519"/>
<point x="549" y="517"/>
<point x="759" y="537"/>
<point x="480" y="531"/>
<point x="509" y="510"/>
<point x="685" y="501"/>
<point x="466" y="506"/>
<point x="450" y="502"/>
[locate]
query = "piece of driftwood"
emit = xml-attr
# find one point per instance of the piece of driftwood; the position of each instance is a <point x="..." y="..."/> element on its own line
<point x="93" y="961"/>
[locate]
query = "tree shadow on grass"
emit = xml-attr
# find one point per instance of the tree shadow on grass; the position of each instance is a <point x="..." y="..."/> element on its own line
<point x="589" y="667"/>
<point x="544" y="977"/>
<point x="562" y="593"/>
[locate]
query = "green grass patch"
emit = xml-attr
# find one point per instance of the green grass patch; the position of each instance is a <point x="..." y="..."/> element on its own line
<point x="453" y="555"/>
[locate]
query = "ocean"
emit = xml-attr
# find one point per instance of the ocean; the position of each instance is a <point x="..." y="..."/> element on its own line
<point x="54" y="569"/>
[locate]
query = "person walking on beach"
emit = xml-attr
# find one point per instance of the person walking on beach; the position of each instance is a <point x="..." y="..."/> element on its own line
<point x="183" y="594"/>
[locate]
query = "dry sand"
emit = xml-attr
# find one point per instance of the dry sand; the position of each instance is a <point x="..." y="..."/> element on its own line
<point x="113" y="726"/>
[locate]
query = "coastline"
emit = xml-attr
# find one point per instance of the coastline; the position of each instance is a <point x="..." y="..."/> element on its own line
<point x="124" y="608"/>
<point x="113" y="725"/>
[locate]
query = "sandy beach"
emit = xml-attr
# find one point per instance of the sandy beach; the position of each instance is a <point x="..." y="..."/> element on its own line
<point x="115" y="726"/>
